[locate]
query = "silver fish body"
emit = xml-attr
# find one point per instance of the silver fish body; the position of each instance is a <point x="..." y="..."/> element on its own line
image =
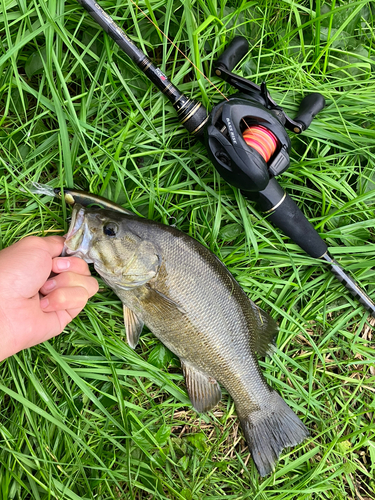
<point x="190" y="301"/>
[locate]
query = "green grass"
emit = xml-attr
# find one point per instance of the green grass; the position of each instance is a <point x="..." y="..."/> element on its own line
<point x="84" y="416"/>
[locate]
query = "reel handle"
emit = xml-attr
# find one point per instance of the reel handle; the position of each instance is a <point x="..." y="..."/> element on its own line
<point x="233" y="54"/>
<point x="308" y="108"/>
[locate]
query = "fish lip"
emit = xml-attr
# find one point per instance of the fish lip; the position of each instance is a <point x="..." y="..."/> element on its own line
<point x="78" y="214"/>
<point x="78" y="237"/>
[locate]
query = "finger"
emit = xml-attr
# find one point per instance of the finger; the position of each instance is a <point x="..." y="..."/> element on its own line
<point x="54" y="323"/>
<point x="65" y="317"/>
<point x="72" y="264"/>
<point x="26" y="265"/>
<point x="63" y="299"/>
<point x="74" y="312"/>
<point x="32" y="245"/>
<point x="70" y="279"/>
<point x="53" y="245"/>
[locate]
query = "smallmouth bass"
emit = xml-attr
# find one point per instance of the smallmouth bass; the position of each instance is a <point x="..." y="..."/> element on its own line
<point x="183" y="293"/>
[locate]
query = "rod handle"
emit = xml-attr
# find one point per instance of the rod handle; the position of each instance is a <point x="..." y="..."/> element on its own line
<point x="284" y="213"/>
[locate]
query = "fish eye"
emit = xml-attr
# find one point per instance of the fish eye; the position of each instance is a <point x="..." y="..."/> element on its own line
<point x="110" y="229"/>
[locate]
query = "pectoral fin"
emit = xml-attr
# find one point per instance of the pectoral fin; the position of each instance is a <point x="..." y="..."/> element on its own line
<point x="265" y="332"/>
<point x="133" y="327"/>
<point x="204" y="391"/>
<point x="163" y="303"/>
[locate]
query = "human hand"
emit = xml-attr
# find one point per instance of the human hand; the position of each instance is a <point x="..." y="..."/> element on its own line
<point x="34" y="308"/>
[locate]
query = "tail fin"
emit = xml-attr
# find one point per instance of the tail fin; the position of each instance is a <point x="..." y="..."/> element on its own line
<point x="270" y="430"/>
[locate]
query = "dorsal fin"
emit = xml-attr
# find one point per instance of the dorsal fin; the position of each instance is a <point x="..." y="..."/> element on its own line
<point x="204" y="391"/>
<point x="133" y="326"/>
<point x="265" y="333"/>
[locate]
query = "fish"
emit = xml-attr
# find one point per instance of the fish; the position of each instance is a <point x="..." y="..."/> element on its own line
<point x="187" y="297"/>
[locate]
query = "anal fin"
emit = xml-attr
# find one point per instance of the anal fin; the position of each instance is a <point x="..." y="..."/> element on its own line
<point x="204" y="391"/>
<point x="133" y="327"/>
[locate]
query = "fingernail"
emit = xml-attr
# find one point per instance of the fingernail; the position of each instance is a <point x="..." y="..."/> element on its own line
<point x="44" y="303"/>
<point x="62" y="264"/>
<point x="49" y="285"/>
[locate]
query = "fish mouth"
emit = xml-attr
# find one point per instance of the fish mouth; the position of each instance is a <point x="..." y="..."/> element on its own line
<point x="77" y="240"/>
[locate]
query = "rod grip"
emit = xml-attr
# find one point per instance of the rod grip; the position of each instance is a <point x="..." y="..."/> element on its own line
<point x="284" y="213"/>
<point x="233" y="53"/>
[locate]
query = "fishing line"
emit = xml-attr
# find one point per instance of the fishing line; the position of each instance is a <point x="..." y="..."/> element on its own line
<point x="262" y="140"/>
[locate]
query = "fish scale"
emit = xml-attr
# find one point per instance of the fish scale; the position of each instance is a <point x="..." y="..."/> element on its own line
<point x="183" y="293"/>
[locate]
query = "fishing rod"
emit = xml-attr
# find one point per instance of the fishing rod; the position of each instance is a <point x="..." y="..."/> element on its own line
<point x="246" y="140"/>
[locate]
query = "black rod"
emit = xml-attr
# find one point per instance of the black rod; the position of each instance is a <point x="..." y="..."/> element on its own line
<point x="350" y="284"/>
<point x="192" y="114"/>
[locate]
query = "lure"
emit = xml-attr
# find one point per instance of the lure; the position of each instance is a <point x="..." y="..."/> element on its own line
<point x="72" y="196"/>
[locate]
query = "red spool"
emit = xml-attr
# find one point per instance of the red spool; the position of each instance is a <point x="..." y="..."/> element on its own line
<point x="262" y="140"/>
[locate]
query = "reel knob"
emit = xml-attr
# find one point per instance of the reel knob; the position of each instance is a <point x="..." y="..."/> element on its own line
<point x="309" y="108"/>
<point x="232" y="55"/>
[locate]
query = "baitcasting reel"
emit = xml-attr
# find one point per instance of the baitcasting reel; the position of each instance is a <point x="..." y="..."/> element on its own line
<point x="245" y="136"/>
